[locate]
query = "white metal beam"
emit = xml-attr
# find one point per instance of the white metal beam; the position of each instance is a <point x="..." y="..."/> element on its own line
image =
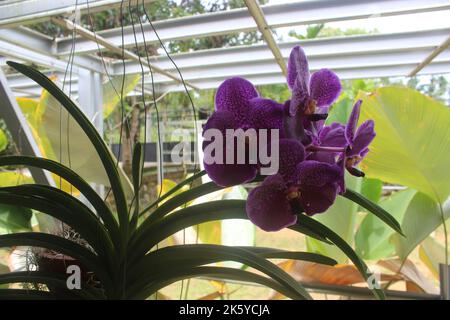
<point x="384" y="60"/>
<point x="437" y="51"/>
<point x="258" y="15"/>
<point x="346" y="55"/>
<point x="91" y="97"/>
<point x="33" y="11"/>
<point x="16" y="52"/>
<point x="34" y="42"/>
<point x="344" y="74"/>
<point x="87" y="34"/>
<point x="238" y="20"/>
<point x="353" y="67"/>
<point x="341" y="46"/>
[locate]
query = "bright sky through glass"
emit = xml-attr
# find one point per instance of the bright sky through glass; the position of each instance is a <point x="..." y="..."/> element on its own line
<point x="403" y="23"/>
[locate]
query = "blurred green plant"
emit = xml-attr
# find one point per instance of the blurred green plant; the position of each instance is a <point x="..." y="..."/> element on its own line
<point x="3" y="141"/>
<point x="412" y="148"/>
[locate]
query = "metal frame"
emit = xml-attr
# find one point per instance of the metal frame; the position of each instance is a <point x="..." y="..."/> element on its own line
<point x="351" y="57"/>
<point x="32" y="11"/>
<point x="18" y="126"/>
<point x="238" y="20"/>
<point x="255" y="10"/>
<point x="383" y="55"/>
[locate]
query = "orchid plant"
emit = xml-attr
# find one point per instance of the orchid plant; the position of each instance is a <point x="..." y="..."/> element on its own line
<point x="312" y="156"/>
<point x="118" y="248"/>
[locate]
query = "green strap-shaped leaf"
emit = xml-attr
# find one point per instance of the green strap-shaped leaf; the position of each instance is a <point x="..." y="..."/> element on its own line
<point x="142" y="292"/>
<point x="351" y="254"/>
<point x="93" y="135"/>
<point x="374" y="208"/>
<point x="162" y="261"/>
<point x="51" y="279"/>
<point x="191" y="256"/>
<point x="137" y="167"/>
<point x="70" y="176"/>
<point x="177" y="201"/>
<point x="180" y="185"/>
<point x="194" y="193"/>
<point x="270" y="253"/>
<point x="62" y="206"/>
<point x="144" y="240"/>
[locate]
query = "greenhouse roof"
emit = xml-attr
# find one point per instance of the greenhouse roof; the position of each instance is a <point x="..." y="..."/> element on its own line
<point x="364" y="56"/>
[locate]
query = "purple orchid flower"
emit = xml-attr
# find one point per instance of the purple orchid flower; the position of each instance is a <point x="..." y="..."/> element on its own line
<point x="274" y="204"/>
<point x="221" y="173"/>
<point x="311" y="97"/>
<point x="358" y="140"/>
<point x="312" y="156"/>
<point x="308" y="186"/>
<point x="238" y="106"/>
<point x="309" y="92"/>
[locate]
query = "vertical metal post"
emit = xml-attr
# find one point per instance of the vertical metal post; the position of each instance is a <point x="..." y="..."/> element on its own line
<point x="20" y="131"/>
<point x="444" y="271"/>
<point x="90" y="98"/>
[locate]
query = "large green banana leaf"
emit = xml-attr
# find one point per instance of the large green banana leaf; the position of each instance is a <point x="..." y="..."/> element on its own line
<point x="412" y="146"/>
<point x="3" y="140"/>
<point x="372" y="240"/>
<point x="422" y="217"/>
<point x="112" y="89"/>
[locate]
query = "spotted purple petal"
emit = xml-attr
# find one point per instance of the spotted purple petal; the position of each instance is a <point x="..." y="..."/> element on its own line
<point x="291" y="153"/>
<point x="266" y="114"/>
<point x="318" y="199"/>
<point x="233" y="95"/>
<point x="221" y="173"/>
<point x="350" y="128"/>
<point x="318" y="185"/>
<point x="298" y="79"/>
<point x="267" y="205"/>
<point x="333" y="135"/>
<point x="226" y="175"/>
<point x="325" y="87"/>
<point x="329" y="136"/>
<point x="298" y="68"/>
<point x="363" y="137"/>
<point x="317" y="174"/>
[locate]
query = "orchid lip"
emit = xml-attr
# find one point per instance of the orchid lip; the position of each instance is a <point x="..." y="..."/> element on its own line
<point x="291" y="195"/>
<point x="311" y="107"/>
<point x="349" y="165"/>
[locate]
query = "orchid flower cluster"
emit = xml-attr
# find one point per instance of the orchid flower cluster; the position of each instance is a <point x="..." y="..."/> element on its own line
<point x="313" y="156"/>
